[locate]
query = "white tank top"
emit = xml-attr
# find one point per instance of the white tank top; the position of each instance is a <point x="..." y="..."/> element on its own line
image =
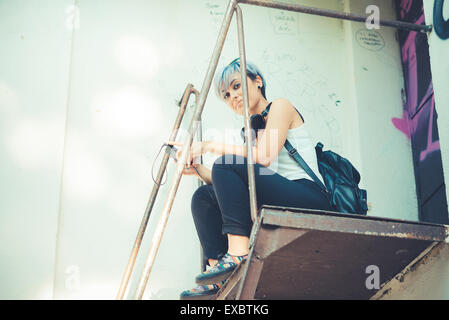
<point x="286" y="166"/>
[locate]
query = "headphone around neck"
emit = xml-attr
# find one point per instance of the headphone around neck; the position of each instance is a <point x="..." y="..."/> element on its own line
<point x="257" y="123"/>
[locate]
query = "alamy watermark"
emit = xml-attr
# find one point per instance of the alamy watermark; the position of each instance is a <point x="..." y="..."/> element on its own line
<point x="373" y="20"/>
<point x="72" y="281"/>
<point x="72" y="21"/>
<point x="373" y="280"/>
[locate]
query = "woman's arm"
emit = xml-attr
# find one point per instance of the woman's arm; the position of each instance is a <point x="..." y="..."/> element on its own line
<point x="269" y="143"/>
<point x="205" y="174"/>
<point x="200" y="171"/>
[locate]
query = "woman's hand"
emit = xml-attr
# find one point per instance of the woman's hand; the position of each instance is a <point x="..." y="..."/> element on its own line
<point x="200" y="171"/>
<point x="190" y="170"/>
<point x="196" y="150"/>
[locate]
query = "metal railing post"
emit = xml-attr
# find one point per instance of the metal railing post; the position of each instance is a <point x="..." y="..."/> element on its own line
<point x="157" y="237"/>
<point x="246" y="116"/>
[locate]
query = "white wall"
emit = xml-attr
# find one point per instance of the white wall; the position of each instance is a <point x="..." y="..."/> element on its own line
<point x="34" y="64"/>
<point x="386" y="158"/>
<point x="76" y="190"/>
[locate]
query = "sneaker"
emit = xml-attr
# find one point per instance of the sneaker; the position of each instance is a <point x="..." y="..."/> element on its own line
<point x="204" y="292"/>
<point x="221" y="271"/>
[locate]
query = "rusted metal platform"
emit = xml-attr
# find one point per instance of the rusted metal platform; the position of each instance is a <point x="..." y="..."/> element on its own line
<point x="311" y="254"/>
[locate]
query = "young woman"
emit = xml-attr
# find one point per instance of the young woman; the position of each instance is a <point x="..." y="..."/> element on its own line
<point x="220" y="208"/>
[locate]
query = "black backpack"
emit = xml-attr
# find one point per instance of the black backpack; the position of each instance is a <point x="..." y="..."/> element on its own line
<point x="340" y="177"/>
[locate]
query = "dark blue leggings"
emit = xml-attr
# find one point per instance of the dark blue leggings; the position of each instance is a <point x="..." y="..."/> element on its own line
<point x="223" y="206"/>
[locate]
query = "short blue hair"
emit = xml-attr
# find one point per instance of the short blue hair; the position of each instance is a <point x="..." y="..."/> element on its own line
<point x="223" y="77"/>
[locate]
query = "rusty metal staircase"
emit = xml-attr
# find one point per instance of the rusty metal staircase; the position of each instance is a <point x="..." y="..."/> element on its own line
<point x="312" y="254"/>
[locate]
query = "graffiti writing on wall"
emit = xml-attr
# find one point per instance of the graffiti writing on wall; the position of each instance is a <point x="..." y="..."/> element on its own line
<point x="419" y="88"/>
<point x="419" y="116"/>
<point x="440" y="25"/>
<point x="431" y="145"/>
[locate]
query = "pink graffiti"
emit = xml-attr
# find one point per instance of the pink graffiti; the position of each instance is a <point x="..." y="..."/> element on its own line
<point x="408" y="127"/>
<point x="431" y="145"/>
<point x="405" y="7"/>
<point x="402" y="124"/>
<point x="409" y="56"/>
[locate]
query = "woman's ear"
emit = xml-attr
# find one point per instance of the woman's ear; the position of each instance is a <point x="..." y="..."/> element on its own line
<point x="259" y="82"/>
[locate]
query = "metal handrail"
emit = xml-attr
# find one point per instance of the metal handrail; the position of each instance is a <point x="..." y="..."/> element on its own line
<point x="156" y="240"/>
<point x="336" y="14"/>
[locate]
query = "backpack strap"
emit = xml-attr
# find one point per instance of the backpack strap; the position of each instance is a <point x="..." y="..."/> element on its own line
<point x="297" y="157"/>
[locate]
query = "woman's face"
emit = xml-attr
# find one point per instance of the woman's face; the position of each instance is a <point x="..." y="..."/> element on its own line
<point x="233" y="95"/>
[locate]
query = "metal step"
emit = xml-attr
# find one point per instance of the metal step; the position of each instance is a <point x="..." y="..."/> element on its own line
<point x="313" y="254"/>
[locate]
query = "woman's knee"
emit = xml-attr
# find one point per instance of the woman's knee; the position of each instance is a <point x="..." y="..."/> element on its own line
<point x="227" y="162"/>
<point x="229" y="159"/>
<point x="201" y="198"/>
